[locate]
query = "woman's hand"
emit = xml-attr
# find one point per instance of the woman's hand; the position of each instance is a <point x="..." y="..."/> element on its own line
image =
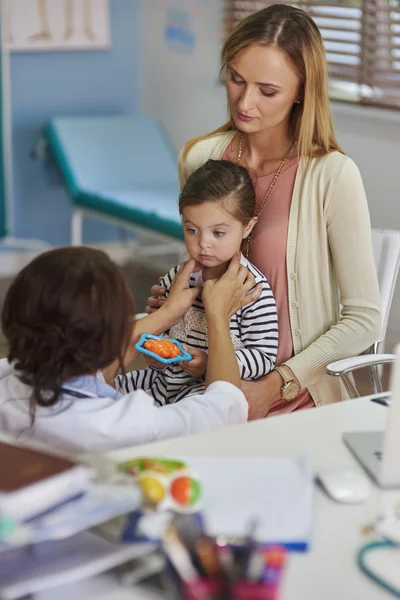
<point x="156" y="299"/>
<point x="198" y="365"/>
<point x="262" y="394"/>
<point x="228" y="294"/>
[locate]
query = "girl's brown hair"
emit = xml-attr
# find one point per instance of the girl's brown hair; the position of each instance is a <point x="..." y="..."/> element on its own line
<point x="293" y="31"/>
<point x="68" y="313"/>
<point x="221" y="180"/>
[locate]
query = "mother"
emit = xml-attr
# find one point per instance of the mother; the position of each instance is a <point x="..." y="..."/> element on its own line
<point x="313" y="237"/>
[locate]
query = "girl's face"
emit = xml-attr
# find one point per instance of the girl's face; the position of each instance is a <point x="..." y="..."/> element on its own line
<point x="262" y="86"/>
<point x="212" y="234"/>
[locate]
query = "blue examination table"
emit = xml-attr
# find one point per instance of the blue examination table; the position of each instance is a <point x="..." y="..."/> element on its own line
<point x="117" y="168"/>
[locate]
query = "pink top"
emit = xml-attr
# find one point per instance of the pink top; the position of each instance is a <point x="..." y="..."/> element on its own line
<point x="268" y="254"/>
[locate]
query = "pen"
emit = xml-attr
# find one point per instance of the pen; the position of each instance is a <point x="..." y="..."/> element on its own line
<point x="274" y="561"/>
<point x="189" y="529"/>
<point x="242" y="553"/>
<point x="207" y="553"/>
<point x="178" y="556"/>
<point x="256" y="567"/>
<point x="227" y="569"/>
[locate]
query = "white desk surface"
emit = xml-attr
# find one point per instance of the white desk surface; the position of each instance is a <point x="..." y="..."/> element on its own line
<point x="328" y="570"/>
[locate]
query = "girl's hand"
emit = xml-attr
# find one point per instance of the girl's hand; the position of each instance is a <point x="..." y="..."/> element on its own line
<point x="198" y="365"/>
<point x="154" y="363"/>
<point x="228" y="294"/>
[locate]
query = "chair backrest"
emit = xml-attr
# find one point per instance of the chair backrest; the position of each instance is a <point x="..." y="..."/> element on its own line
<point x="386" y="248"/>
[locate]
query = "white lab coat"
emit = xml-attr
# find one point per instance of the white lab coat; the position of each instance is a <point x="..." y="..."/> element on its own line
<point x="105" y="420"/>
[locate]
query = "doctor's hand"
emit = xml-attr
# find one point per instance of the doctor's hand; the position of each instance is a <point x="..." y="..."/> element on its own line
<point x="181" y="296"/>
<point x="262" y="395"/>
<point x="158" y="298"/>
<point x="227" y="295"/>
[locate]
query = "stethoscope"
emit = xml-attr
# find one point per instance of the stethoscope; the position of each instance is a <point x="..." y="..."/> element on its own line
<point x="69" y="396"/>
<point x="64" y="390"/>
<point x="75" y="393"/>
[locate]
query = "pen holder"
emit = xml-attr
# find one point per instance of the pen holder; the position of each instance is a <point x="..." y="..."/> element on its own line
<point x="235" y="569"/>
<point x="206" y="589"/>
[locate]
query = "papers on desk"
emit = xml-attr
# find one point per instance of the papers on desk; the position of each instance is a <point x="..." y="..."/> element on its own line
<point x="276" y="492"/>
<point x="100" y="503"/>
<point x="60" y="501"/>
<point x="53" y="564"/>
<point x="32" y="481"/>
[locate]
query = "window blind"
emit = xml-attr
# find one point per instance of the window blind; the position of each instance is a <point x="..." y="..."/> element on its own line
<point x="362" y="44"/>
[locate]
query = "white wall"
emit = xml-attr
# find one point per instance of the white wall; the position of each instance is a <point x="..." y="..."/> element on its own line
<point x="182" y="91"/>
<point x="180" y="88"/>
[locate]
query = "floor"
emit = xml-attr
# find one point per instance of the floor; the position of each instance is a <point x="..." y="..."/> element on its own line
<point x="141" y="276"/>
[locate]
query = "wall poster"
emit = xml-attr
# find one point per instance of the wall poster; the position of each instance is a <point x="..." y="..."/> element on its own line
<point x="39" y="25"/>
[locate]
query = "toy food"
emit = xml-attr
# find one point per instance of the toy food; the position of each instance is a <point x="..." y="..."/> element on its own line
<point x="185" y="490"/>
<point x="164" y="348"/>
<point x="138" y="466"/>
<point x="153" y="490"/>
<point x="165" y="484"/>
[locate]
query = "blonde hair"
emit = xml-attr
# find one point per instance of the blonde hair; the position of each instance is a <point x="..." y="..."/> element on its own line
<point x="293" y="31"/>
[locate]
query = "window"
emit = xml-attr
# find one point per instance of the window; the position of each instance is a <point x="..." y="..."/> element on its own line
<point x="362" y="44"/>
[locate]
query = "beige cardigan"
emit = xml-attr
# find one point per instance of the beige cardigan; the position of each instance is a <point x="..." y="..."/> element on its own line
<point x="329" y="262"/>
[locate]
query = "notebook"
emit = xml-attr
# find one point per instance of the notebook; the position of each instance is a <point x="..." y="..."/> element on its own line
<point x="102" y="502"/>
<point x="47" y="567"/>
<point x="275" y="492"/>
<point x="32" y="481"/>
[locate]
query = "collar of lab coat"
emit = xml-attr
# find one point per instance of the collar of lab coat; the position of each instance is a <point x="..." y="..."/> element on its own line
<point x="92" y="384"/>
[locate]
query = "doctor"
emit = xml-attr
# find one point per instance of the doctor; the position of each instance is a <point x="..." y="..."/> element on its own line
<point x="68" y="319"/>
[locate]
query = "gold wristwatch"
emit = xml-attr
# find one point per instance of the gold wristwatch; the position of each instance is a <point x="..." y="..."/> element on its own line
<point x="291" y="387"/>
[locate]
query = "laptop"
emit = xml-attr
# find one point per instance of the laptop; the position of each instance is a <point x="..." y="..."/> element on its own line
<point x="379" y="451"/>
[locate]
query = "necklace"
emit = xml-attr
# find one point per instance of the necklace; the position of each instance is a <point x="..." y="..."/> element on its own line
<point x="271" y="186"/>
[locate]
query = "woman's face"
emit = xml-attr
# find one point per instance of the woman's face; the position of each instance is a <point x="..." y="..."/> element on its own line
<point x="262" y="85"/>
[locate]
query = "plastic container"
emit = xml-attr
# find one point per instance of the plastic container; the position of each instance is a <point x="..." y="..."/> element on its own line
<point x="184" y="355"/>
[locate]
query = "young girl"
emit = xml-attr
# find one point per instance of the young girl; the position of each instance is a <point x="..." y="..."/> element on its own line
<point x="217" y="205"/>
<point x="68" y="316"/>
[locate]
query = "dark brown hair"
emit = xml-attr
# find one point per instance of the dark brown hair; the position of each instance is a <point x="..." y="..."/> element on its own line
<point x="221" y="181"/>
<point x="68" y="313"/>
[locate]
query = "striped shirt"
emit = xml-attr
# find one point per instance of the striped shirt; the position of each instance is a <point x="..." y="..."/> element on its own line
<point x="254" y="334"/>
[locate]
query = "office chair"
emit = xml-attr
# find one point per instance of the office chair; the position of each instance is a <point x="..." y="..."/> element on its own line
<point x="386" y="248"/>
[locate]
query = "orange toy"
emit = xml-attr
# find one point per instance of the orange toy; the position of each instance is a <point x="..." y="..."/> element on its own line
<point x="164" y="348"/>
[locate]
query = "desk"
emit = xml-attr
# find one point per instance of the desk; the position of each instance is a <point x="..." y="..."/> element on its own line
<point x="328" y="571"/>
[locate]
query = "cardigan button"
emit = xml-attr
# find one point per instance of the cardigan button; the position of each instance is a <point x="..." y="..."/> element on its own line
<point x="298" y="331"/>
<point x="320" y="403"/>
<point x="295" y="304"/>
<point x="293" y="276"/>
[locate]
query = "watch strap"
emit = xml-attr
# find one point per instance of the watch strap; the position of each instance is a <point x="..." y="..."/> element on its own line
<point x="286" y="374"/>
<point x="289" y="380"/>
